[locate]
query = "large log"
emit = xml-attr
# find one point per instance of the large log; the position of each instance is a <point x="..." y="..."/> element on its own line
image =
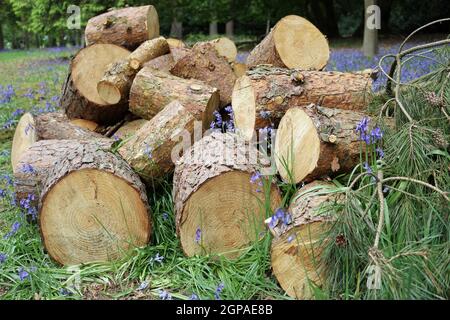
<point x="297" y="246"/>
<point x="149" y="151"/>
<point x="36" y="161"/>
<point x="55" y="125"/>
<point x="127" y="27"/>
<point x="315" y="141"/>
<point x="115" y="84"/>
<point x="204" y="63"/>
<point x="294" y="42"/>
<point x="79" y="98"/>
<point x="264" y="94"/>
<point x="218" y="208"/>
<point x="93" y="208"/>
<point x="225" y="48"/>
<point x="152" y="90"/>
<point x="168" y="61"/>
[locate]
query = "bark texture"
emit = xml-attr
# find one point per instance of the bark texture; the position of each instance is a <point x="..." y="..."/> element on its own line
<point x="168" y="61"/>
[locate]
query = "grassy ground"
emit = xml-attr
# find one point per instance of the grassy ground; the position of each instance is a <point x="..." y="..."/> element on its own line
<point x="31" y="80"/>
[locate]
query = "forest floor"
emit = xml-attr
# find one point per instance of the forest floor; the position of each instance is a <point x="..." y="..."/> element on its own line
<point x="31" y="81"/>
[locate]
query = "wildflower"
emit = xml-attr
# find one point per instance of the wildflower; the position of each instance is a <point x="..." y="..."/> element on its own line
<point x="380" y="152"/>
<point x="280" y="215"/>
<point x="367" y="167"/>
<point x="3" y="257"/>
<point x="217" y="123"/>
<point x="362" y="128"/>
<point x="28" y="128"/>
<point x="65" y="292"/>
<point x="15" y="227"/>
<point x="385" y="189"/>
<point x="219" y="290"/>
<point x="27" y="168"/>
<point x="164" y="295"/>
<point x="2" y="193"/>
<point x="198" y="234"/>
<point x="165" y="216"/>
<point x="142" y="286"/>
<point x="376" y="134"/>
<point x="264" y="114"/>
<point x="194" y="297"/>
<point x="148" y="151"/>
<point x="255" y="177"/>
<point x="229" y="109"/>
<point x="23" y="274"/>
<point x="158" y="258"/>
<point x="290" y="238"/>
<point x="115" y="137"/>
<point x="17" y="112"/>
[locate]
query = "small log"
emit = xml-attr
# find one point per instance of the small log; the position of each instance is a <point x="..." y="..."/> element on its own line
<point x="293" y="42"/>
<point x="93" y="208"/>
<point x="127" y="27"/>
<point x="264" y="94"/>
<point x="168" y="61"/>
<point x="115" y="84"/>
<point x="55" y="125"/>
<point x="35" y="162"/>
<point x="297" y="246"/>
<point x="204" y="63"/>
<point x="129" y="128"/>
<point x="152" y="90"/>
<point x="315" y="141"/>
<point x="218" y="208"/>
<point x="149" y="151"/>
<point x="176" y="43"/>
<point x="79" y="98"/>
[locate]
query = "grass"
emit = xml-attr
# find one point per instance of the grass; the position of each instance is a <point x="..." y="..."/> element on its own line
<point x="140" y="275"/>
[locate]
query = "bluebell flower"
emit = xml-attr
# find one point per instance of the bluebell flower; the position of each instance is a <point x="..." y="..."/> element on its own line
<point x="158" y="258"/>
<point x="380" y="152"/>
<point x="264" y="114"/>
<point x="164" y="295"/>
<point x="367" y="167"/>
<point x="2" y="193"/>
<point x="165" y="216"/>
<point x="65" y="292"/>
<point x="148" y="151"/>
<point x="194" y="297"/>
<point x="23" y="274"/>
<point x="27" y="168"/>
<point x="14" y="228"/>
<point x="142" y="286"/>
<point x="198" y="235"/>
<point x="3" y="257"/>
<point x="290" y="238"/>
<point x="219" y="290"/>
<point x="376" y="134"/>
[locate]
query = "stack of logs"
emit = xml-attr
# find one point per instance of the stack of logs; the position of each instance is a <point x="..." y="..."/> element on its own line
<point x="149" y="93"/>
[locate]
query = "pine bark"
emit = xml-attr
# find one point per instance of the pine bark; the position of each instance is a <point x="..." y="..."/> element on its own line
<point x="168" y="61"/>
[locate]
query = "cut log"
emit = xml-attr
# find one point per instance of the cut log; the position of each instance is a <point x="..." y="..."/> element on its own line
<point x="315" y="141"/>
<point x="167" y="61"/>
<point x="114" y="87"/>
<point x="55" y="125"/>
<point x="79" y="97"/>
<point x="239" y="69"/>
<point x="218" y="209"/>
<point x="294" y="42"/>
<point x="129" y="128"/>
<point x="93" y="208"/>
<point x="127" y="27"/>
<point x="86" y="124"/>
<point x="225" y="47"/>
<point x="176" y="43"/>
<point x="149" y="151"/>
<point x="296" y="247"/>
<point x="204" y="63"/>
<point x="264" y="94"/>
<point x="152" y="90"/>
<point x="36" y="161"/>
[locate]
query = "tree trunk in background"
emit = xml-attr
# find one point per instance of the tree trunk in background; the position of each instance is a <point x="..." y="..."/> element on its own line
<point x="1" y="37"/>
<point x="213" y="28"/>
<point x="176" y="29"/>
<point x="229" y="29"/>
<point x="370" y="41"/>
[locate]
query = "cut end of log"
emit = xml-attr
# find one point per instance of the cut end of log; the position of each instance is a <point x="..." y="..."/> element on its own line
<point x="300" y="44"/>
<point x="243" y="102"/>
<point x="86" y="124"/>
<point x="108" y="92"/>
<point x="176" y="43"/>
<point x="130" y="128"/>
<point x="24" y="137"/>
<point x="89" y="66"/>
<point x="295" y="259"/>
<point x="297" y="146"/>
<point x="92" y="215"/>
<point x="152" y="23"/>
<point x="223" y="215"/>
<point x="226" y="48"/>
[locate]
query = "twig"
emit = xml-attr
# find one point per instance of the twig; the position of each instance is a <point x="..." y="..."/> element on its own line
<point x="381" y="216"/>
<point x="442" y="193"/>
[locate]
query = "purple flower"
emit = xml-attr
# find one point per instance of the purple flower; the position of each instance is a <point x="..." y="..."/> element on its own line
<point x="217" y="123"/>
<point x="362" y="128"/>
<point x="3" y="257"/>
<point x="164" y="295"/>
<point x="148" y="151"/>
<point x="2" y="193"/>
<point x="367" y="167"/>
<point x="290" y="238"/>
<point x="256" y="177"/>
<point x="376" y="134"/>
<point x="380" y="152"/>
<point x="165" y="216"/>
<point x="115" y="137"/>
<point x="158" y="258"/>
<point x="385" y="189"/>
<point x="17" y="112"/>
<point x="142" y="286"/>
<point x="28" y="128"/>
<point x="23" y="274"/>
<point x="27" y="168"/>
<point x="194" y="297"/>
<point x="198" y="235"/>
<point x="219" y="290"/>
<point x="264" y="114"/>
<point x="229" y="109"/>
<point x="65" y="292"/>
<point x="14" y="228"/>
<point x="280" y="215"/>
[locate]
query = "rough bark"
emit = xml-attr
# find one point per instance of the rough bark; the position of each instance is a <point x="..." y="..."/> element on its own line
<point x="149" y="151"/>
<point x="127" y="27"/>
<point x="213" y="193"/>
<point x="225" y="47"/>
<point x="45" y="126"/>
<point x="79" y="97"/>
<point x="168" y="61"/>
<point x="93" y="207"/>
<point x="42" y="156"/>
<point x="296" y="247"/>
<point x="293" y="42"/>
<point x="152" y="90"/>
<point x="204" y="63"/>
<point x="266" y="93"/>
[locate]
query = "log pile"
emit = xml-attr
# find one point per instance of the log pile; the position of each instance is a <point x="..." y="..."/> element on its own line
<point x="158" y="97"/>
